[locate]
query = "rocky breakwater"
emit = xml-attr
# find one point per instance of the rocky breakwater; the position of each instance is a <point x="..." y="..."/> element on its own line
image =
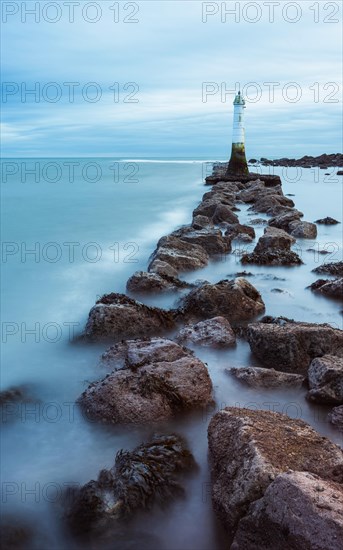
<point x="322" y="161"/>
<point x="273" y="248"/>
<point x="257" y="458"/>
<point x="151" y="380"/>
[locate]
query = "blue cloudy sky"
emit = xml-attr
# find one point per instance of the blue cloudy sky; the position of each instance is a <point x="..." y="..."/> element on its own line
<point x="172" y="50"/>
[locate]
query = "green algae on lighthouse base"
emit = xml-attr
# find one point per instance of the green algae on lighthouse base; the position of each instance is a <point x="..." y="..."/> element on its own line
<point x="238" y="162"/>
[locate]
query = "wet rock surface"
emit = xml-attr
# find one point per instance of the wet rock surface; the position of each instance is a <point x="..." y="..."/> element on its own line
<point x="334" y="268"/>
<point x="290" y="346"/>
<point x="272" y="257"/>
<point x="325" y="378"/>
<point x="210" y="239"/>
<point x="116" y="316"/>
<point x="148" y="475"/>
<point x="249" y="448"/>
<point x="216" y="332"/>
<point x="327" y="221"/>
<point x="274" y="238"/>
<point x="235" y="300"/>
<point x="266" y="378"/>
<point x="283" y="220"/>
<point x="181" y="255"/>
<point x="328" y="287"/>
<point x="335" y="159"/>
<point x="303" y="230"/>
<point x="154" y="384"/>
<point x="336" y="417"/>
<point x="298" y="511"/>
<point x="143" y="281"/>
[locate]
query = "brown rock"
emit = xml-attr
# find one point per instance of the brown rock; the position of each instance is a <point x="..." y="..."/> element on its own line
<point x="298" y="511"/>
<point x="248" y="449"/>
<point x="274" y="238"/>
<point x="224" y="213"/>
<point x="146" y="390"/>
<point x="272" y="257"/>
<point x="116" y="316"/>
<point x="336" y="417"/>
<point x="215" y="332"/>
<point x="325" y="378"/>
<point x="334" y="268"/>
<point x="200" y="222"/>
<point x="233" y="230"/>
<point x="266" y="378"/>
<point x="303" y="230"/>
<point x="333" y="289"/>
<point x="235" y="300"/>
<point x="143" y="281"/>
<point x="289" y="346"/>
<point x="181" y="255"/>
<point x="283" y="220"/>
<point x="210" y="239"/>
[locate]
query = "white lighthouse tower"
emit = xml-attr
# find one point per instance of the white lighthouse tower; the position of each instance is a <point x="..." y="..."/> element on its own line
<point x="238" y="162"/>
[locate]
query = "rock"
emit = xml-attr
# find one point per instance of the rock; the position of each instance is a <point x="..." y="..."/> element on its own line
<point x="249" y="448"/>
<point x="303" y="230"/>
<point x="336" y="417"/>
<point x="200" y="222"/>
<point x="233" y="230"/>
<point x="266" y="378"/>
<point x="272" y="257"/>
<point x="16" y="533"/>
<point x="284" y="220"/>
<point x="274" y="238"/>
<point x="134" y="353"/>
<point x="334" y="268"/>
<point x="307" y="161"/>
<point x="266" y="202"/>
<point x="252" y="191"/>
<point x="210" y="239"/>
<point x="235" y="300"/>
<point x="153" y="385"/>
<point x="181" y="255"/>
<point x="12" y="402"/>
<point x="116" y="316"/>
<point x="212" y="332"/>
<point x="224" y="214"/>
<point x="299" y="511"/>
<point x="208" y="206"/>
<point x="327" y="221"/>
<point x="243" y="238"/>
<point x="340" y="173"/>
<point x="289" y="346"/>
<point x="258" y="221"/>
<point x="317" y="251"/>
<point x="325" y="378"/>
<point x="139" y="479"/>
<point x="333" y="289"/>
<point x="143" y="281"/>
<point x="162" y="268"/>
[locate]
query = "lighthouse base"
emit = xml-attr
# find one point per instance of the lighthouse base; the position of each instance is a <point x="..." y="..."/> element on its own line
<point x="238" y="163"/>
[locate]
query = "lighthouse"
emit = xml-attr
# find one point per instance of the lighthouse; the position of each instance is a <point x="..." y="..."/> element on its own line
<point x="238" y="162"/>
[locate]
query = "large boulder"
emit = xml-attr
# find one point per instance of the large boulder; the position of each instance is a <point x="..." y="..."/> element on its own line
<point x="144" y="281"/>
<point x="181" y="255"/>
<point x="334" y="268"/>
<point x="331" y="288"/>
<point x="224" y="213"/>
<point x="303" y="230"/>
<point x="298" y="511"/>
<point x="148" y="475"/>
<point x="274" y="256"/>
<point x="235" y="300"/>
<point x="325" y="378"/>
<point x="200" y="222"/>
<point x="215" y="332"/>
<point x="268" y="202"/>
<point x="158" y="379"/>
<point x="249" y="448"/>
<point x="163" y="269"/>
<point x="274" y="238"/>
<point x="116" y="316"/>
<point x="210" y="239"/>
<point x="235" y="229"/>
<point x="266" y="378"/>
<point x="289" y="346"/>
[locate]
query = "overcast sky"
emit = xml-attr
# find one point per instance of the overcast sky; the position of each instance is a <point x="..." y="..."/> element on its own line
<point x="164" y="57"/>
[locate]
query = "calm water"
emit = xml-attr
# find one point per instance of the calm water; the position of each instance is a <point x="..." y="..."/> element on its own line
<point x="78" y="228"/>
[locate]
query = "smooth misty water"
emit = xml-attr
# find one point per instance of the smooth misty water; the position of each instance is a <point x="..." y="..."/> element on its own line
<point x="52" y="445"/>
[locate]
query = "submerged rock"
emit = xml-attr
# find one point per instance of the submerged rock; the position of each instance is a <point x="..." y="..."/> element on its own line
<point x="336" y="417"/>
<point x="327" y="221"/>
<point x="325" y="378"/>
<point x="334" y="268"/>
<point x="212" y="332"/>
<point x="266" y="378"/>
<point x="249" y="448"/>
<point x="181" y="255"/>
<point x="143" y="281"/>
<point x="333" y="289"/>
<point x="139" y="479"/>
<point x="289" y="346"/>
<point x="235" y="300"/>
<point x="272" y="257"/>
<point x="298" y="511"/>
<point x="116" y="316"/>
<point x="156" y="379"/>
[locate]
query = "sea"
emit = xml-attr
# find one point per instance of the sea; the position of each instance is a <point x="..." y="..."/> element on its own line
<point x="74" y="229"/>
